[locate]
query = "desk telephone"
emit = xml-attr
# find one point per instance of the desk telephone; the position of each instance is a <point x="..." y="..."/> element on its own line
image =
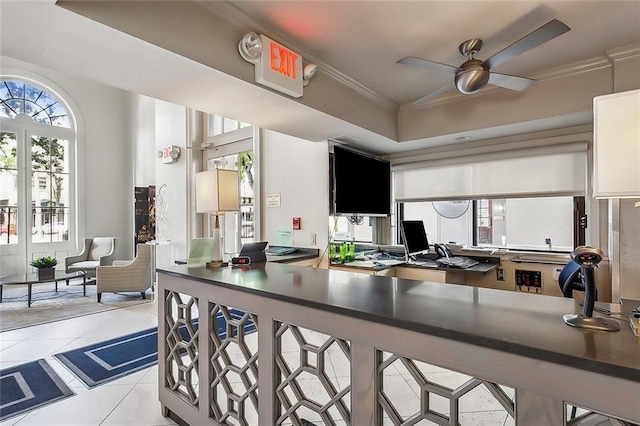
<point x="442" y="250"/>
<point x="446" y="258"/>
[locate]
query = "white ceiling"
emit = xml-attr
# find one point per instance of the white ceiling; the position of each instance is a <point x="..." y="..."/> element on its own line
<point x="358" y="40"/>
<point x="364" y="39"/>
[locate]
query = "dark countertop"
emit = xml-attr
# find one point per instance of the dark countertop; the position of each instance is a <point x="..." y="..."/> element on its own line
<point x="486" y="264"/>
<point x="482" y="267"/>
<point x="519" y="323"/>
<point x="299" y="254"/>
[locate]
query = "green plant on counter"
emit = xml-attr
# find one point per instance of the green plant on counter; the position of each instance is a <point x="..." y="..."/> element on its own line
<point x="44" y="262"/>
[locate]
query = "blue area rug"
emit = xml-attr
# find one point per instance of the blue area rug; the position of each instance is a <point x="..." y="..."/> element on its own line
<point x="109" y="360"/>
<point x="28" y="386"/>
<point x="103" y="362"/>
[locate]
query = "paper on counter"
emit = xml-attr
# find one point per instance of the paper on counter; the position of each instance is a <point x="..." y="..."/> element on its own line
<point x="200" y="252"/>
<point x="284" y="237"/>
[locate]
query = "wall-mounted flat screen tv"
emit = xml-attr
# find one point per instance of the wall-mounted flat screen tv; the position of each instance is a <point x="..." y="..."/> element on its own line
<point x="362" y="184"/>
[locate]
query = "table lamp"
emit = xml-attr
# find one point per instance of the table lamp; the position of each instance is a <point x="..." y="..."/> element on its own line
<point x="217" y="191"/>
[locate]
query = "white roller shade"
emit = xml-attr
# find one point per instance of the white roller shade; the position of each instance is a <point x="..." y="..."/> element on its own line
<point x="559" y="174"/>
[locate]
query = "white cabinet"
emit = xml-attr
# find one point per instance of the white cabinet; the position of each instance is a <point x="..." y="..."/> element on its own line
<point x="616" y="145"/>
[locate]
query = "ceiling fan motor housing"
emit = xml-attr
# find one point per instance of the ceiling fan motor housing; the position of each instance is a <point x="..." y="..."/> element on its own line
<point x="471" y="76"/>
<point x="470" y="47"/>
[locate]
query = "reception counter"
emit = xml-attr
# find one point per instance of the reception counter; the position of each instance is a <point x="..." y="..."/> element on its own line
<point x="212" y="322"/>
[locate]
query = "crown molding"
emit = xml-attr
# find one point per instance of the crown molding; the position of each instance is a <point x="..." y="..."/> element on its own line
<point x="236" y="16"/>
<point x="582" y="132"/>
<point x="587" y="65"/>
<point x="624" y="52"/>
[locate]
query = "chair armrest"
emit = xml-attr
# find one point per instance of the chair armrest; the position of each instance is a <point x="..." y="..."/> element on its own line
<point x="121" y="262"/>
<point x="82" y="256"/>
<point x="108" y="259"/>
<point x="73" y="259"/>
<point x="135" y="275"/>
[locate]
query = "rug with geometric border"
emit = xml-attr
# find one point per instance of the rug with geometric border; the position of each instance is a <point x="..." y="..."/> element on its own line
<point x="28" y="386"/>
<point x="109" y="360"/>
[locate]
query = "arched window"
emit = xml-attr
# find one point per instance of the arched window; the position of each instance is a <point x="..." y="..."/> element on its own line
<point x="18" y="97"/>
<point x="37" y="143"/>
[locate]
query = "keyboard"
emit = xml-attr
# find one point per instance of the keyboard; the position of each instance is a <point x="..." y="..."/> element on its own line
<point x="279" y="251"/>
<point x="425" y="257"/>
<point x="457" y="262"/>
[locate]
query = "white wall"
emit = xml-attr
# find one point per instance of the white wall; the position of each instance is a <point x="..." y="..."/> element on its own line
<point x="171" y="129"/>
<point x="144" y="135"/>
<point x="298" y="170"/>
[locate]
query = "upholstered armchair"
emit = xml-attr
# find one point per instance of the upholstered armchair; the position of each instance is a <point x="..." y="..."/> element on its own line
<point x="127" y="275"/>
<point x="96" y="251"/>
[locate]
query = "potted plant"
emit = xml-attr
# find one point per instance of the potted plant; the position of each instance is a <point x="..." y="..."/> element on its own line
<point x="46" y="267"/>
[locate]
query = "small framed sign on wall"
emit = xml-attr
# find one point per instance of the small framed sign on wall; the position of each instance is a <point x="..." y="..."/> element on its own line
<point x="273" y="200"/>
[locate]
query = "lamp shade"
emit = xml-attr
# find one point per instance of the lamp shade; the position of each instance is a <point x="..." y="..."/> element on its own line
<point x="217" y="191"/>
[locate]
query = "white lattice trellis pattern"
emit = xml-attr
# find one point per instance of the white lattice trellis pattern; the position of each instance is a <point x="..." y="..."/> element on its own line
<point x="433" y="395"/>
<point x="234" y="365"/>
<point x="181" y="363"/>
<point x="308" y="386"/>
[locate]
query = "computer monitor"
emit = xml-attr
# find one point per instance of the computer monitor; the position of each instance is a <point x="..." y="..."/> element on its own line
<point x="414" y="237"/>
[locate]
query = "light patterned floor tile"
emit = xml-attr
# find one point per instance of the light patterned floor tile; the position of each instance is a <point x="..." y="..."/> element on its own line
<point x="88" y="407"/>
<point x="139" y="407"/>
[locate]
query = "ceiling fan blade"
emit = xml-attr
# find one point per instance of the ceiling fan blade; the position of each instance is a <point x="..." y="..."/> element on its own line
<point x="436" y="66"/>
<point x="548" y="31"/>
<point x="510" y="81"/>
<point x="433" y="94"/>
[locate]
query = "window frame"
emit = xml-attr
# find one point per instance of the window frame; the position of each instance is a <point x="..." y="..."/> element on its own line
<point x="578" y="231"/>
<point x="25" y="129"/>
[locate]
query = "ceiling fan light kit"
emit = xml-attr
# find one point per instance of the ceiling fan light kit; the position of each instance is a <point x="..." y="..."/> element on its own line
<point x="471" y="77"/>
<point x="474" y="74"/>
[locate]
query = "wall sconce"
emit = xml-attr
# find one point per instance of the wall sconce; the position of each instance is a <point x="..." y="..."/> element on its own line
<point x="308" y="72"/>
<point x="250" y="47"/>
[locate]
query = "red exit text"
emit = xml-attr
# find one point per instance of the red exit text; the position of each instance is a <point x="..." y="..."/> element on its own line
<point x="283" y="60"/>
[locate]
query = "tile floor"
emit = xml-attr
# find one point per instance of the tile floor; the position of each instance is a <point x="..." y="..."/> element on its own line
<point x="133" y="400"/>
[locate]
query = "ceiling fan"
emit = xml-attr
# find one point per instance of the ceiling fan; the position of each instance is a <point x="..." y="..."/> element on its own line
<point x="473" y="74"/>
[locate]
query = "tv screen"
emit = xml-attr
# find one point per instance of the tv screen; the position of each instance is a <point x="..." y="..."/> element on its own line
<point x="362" y="184"/>
<point x="414" y="237"/>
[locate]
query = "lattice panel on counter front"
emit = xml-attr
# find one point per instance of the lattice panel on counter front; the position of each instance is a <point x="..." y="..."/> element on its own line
<point x="181" y="363"/>
<point x="314" y="376"/>
<point x="234" y="365"/>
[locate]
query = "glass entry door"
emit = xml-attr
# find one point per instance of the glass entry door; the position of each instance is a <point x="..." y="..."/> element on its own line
<point x="241" y="227"/>
<point x="34" y="198"/>
<point x="12" y="245"/>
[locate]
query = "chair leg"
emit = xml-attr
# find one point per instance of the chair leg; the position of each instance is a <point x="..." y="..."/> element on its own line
<point x="99" y="297"/>
<point x="142" y="293"/>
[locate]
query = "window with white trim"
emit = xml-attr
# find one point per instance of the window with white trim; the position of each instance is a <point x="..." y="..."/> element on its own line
<point x="532" y="202"/>
<point x="36" y="144"/>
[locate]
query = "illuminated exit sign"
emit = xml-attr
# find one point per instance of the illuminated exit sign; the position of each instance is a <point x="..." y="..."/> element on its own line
<point x="279" y="68"/>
